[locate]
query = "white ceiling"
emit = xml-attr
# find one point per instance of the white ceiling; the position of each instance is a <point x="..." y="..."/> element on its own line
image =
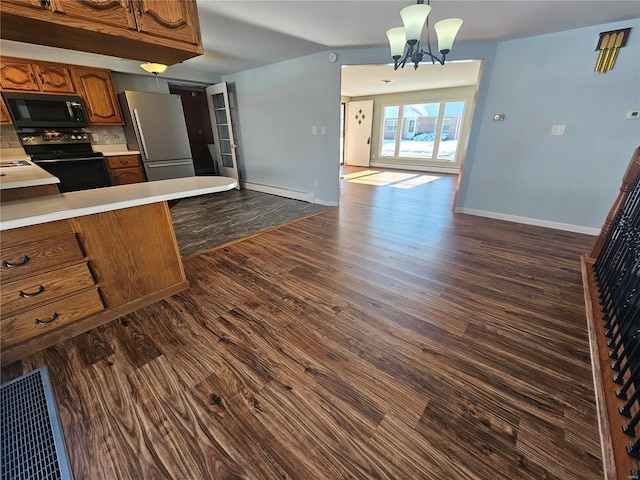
<point x="361" y="80"/>
<point x="243" y="34"/>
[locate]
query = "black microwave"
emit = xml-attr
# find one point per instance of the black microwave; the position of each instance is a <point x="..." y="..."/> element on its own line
<point x="42" y="110"/>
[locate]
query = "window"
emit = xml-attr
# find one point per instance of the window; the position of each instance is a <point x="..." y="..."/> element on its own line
<point x="392" y="126"/>
<point x="427" y="128"/>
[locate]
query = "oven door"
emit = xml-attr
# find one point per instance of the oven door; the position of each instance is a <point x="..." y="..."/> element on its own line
<point x="80" y="173"/>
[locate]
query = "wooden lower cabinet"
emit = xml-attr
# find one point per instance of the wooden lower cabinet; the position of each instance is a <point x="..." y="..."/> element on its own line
<point x="123" y="260"/>
<point x="125" y="169"/>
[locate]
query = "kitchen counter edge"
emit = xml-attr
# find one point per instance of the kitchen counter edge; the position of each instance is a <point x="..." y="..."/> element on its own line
<point x="34" y="211"/>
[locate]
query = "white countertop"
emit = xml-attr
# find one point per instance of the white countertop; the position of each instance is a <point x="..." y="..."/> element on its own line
<point x="113" y="150"/>
<point x="22" y="176"/>
<point x="33" y="211"/>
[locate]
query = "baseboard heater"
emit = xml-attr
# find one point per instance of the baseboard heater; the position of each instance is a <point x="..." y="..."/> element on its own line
<point x="31" y="439"/>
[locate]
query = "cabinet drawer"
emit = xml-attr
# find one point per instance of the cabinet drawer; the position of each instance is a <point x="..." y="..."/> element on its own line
<point x="46" y="287"/>
<point x="25" y="326"/>
<point x="34" y="257"/>
<point x="121" y="161"/>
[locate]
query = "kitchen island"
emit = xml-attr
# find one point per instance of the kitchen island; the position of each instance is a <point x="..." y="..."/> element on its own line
<point x="74" y="261"/>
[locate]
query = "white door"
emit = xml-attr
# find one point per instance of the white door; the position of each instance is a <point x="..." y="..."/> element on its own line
<point x="357" y="149"/>
<point x="222" y="124"/>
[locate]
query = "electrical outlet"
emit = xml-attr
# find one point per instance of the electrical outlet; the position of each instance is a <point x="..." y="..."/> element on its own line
<point x="94" y="137"/>
<point x="315" y="182"/>
<point x="558" y="129"/>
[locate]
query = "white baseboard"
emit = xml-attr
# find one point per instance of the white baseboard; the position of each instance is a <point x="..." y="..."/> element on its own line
<point x="281" y="192"/>
<point x="417" y="168"/>
<point x="531" y="221"/>
<point x="326" y="203"/>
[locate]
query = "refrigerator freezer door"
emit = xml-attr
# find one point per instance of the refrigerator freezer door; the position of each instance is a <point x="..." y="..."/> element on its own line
<point x="158" y="119"/>
<point x="169" y="169"/>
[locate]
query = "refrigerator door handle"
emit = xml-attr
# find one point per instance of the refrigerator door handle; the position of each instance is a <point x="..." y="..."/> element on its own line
<point x="144" y="144"/>
<point x="167" y="164"/>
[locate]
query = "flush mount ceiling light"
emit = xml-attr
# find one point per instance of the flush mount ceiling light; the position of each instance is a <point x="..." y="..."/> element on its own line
<point x="154" y="68"/>
<point x="407" y="38"/>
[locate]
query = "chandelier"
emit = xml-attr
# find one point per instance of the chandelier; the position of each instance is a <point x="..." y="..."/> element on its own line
<point x="405" y="41"/>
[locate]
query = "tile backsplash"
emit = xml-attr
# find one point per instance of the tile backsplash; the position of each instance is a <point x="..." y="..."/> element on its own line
<point x="8" y="137"/>
<point x="108" y="135"/>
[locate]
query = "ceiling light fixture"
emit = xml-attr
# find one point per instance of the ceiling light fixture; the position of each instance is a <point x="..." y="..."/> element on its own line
<point x="407" y="38"/>
<point x="154" y="68"/>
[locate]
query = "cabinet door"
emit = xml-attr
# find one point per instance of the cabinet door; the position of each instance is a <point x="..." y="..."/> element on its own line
<point x="175" y="19"/>
<point x="125" y="176"/>
<point x="106" y="12"/>
<point x="54" y="78"/>
<point x="4" y="114"/>
<point x="35" y="4"/>
<point x="17" y="74"/>
<point x="95" y="87"/>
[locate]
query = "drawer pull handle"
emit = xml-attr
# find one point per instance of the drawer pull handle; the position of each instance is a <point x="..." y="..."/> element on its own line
<point x="47" y="321"/>
<point x="34" y="294"/>
<point x="22" y="261"/>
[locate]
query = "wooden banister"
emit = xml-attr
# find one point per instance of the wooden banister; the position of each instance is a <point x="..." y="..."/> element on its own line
<point x="617" y="464"/>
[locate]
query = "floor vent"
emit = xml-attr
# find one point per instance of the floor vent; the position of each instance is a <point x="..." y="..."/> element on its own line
<point x="32" y="443"/>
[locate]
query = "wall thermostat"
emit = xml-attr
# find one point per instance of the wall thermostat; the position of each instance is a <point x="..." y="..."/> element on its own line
<point x="333" y="57"/>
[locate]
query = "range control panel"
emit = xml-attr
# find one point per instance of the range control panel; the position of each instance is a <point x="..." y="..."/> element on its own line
<point x="48" y="137"/>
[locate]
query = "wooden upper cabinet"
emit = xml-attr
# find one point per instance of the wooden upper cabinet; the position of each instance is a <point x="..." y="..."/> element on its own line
<point x="23" y="74"/>
<point x="4" y="114"/>
<point x="176" y="19"/>
<point x="95" y="87"/>
<point x="16" y="74"/>
<point x="54" y="78"/>
<point x="35" y="4"/>
<point x="108" y="12"/>
<point x="162" y="31"/>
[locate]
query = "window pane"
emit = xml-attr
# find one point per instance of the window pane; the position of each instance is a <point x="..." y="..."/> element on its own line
<point x="418" y="132"/>
<point x="451" y="125"/>
<point x="390" y="129"/>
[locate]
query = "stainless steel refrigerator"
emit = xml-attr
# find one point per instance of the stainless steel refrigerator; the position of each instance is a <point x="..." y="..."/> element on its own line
<point x="155" y="125"/>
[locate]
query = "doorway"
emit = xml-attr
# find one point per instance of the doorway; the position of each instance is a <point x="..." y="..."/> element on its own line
<point x="196" y="112"/>
<point x="421" y="118"/>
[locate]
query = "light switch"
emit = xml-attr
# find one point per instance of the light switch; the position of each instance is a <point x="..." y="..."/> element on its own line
<point x="323" y="130"/>
<point x="558" y="129"/>
<point x="314" y="130"/>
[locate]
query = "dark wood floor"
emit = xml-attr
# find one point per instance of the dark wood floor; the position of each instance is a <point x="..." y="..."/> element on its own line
<point x="208" y="221"/>
<point x="389" y="338"/>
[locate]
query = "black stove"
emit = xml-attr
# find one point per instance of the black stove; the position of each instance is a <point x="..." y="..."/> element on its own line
<point x="67" y="154"/>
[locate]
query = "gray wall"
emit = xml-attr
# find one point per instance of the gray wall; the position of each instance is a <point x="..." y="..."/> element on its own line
<point x="277" y="106"/>
<point x="517" y="170"/>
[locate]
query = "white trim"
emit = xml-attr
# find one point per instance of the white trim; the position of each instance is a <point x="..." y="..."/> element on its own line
<point x="531" y="221"/>
<point x="326" y="203"/>
<point x="417" y="168"/>
<point x="280" y="191"/>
